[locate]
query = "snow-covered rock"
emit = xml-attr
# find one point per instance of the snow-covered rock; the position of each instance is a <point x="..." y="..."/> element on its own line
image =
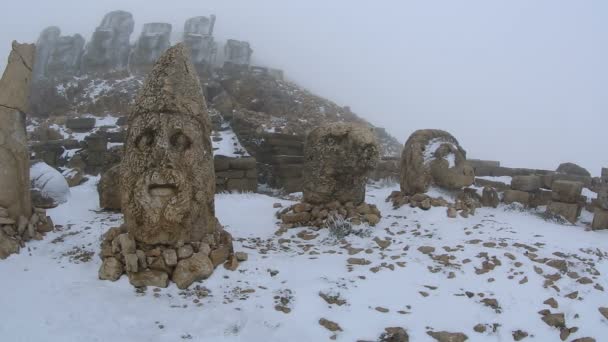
<point x="49" y="182"/>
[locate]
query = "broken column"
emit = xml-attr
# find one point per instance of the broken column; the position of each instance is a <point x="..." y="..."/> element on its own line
<point x="18" y="222"/>
<point x="237" y="52"/>
<point x="566" y="200"/>
<point x="198" y="38"/>
<point x="109" y="48"/>
<point x="155" y="39"/>
<point x="338" y="160"/>
<point x="600" y="218"/>
<point x="168" y="185"/>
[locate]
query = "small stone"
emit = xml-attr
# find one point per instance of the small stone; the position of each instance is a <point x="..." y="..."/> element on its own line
<point x="444" y="336"/>
<point x="372" y="219"/>
<point x="603" y="311"/>
<point x="184" y="252"/>
<point x="426" y="249"/>
<point x="6" y="220"/>
<point x="480" y="328"/>
<point x="358" y="261"/>
<point x="219" y="255"/>
<point x="170" y="257"/>
<point x="111" y="269"/>
<point x="149" y="278"/>
<point x="556" y="320"/>
<point x="241" y="256"/>
<point x="381" y="309"/>
<point x="382" y="243"/>
<point x="329" y="325"/>
<point x="584" y="281"/>
<point x="394" y="334"/>
<point x="232" y="263"/>
<point x="131" y="262"/>
<point x="277" y="205"/>
<point x="127" y="244"/>
<point x="452" y="213"/>
<point x="195" y="268"/>
<point x="551" y="302"/>
<point x="519" y="335"/>
<point x="572" y="295"/>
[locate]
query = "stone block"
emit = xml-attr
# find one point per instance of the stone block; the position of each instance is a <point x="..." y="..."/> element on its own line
<point x="80" y="124"/>
<point x="525" y="183"/>
<point x="569" y="211"/>
<point x="600" y="219"/>
<point x="540" y="197"/>
<point x="221" y="163"/>
<point x="243" y="163"/>
<point x="242" y="185"/>
<point x="230" y="174"/>
<point x="516" y="196"/>
<point x="567" y="191"/>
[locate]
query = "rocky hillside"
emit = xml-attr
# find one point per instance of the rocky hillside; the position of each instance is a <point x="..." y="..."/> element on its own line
<point x="103" y="76"/>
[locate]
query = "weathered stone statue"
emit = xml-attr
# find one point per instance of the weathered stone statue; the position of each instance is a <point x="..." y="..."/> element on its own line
<point x="433" y="156"/>
<point x="338" y="159"/>
<point x="237" y="52"/>
<point x="14" y="157"/>
<point x="18" y="221"/>
<point x="198" y="38"/>
<point x="44" y="48"/>
<point x="109" y="47"/>
<point x="168" y="184"/>
<point x="155" y="39"/>
<point x="66" y="56"/>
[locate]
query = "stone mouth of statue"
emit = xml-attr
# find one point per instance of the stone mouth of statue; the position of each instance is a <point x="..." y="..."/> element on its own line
<point x="162" y="190"/>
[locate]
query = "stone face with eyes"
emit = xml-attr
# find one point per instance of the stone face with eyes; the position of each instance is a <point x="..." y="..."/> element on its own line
<point x="167" y="162"/>
<point x="167" y="171"/>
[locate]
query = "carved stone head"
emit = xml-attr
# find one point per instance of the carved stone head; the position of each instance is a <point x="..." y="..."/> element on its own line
<point x="167" y="171"/>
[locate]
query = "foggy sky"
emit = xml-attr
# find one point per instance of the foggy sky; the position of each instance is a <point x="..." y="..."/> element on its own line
<point x="519" y="81"/>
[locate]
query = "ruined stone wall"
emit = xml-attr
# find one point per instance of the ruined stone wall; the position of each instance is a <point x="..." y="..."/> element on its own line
<point x="235" y="174"/>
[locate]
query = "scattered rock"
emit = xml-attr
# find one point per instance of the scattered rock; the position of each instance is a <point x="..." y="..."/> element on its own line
<point x="329" y="325"/>
<point x="444" y="336"/>
<point x="195" y="268"/>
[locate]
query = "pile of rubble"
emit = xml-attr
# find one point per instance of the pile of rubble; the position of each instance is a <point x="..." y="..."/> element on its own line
<point x="14" y="234"/>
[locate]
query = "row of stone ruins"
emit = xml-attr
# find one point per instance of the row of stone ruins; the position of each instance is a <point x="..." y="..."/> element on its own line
<point x="167" y="178"/>
<point x="110" y="49"/>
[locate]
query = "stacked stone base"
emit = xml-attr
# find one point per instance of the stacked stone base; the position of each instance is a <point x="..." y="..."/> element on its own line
<point x="466" y="203"/>
<point x="566" y="200"/>
<point x="309" y="215"/>
<point x="157" y="265"/>
<point x="15" y="233"/>
<point x="600" y="218"/>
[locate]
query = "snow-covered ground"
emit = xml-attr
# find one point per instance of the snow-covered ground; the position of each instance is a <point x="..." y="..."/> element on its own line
<point x="426" y="272"/>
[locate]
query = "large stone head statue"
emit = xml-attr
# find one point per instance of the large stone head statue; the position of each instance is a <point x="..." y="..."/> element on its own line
<point x="339" y="157"/>
<point x="433" y="156"/>
<point x="167" y="171"/>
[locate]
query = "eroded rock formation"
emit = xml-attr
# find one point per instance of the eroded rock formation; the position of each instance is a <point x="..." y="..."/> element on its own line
<point x="433" y="156"/>
<point x="168" y="184"/>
